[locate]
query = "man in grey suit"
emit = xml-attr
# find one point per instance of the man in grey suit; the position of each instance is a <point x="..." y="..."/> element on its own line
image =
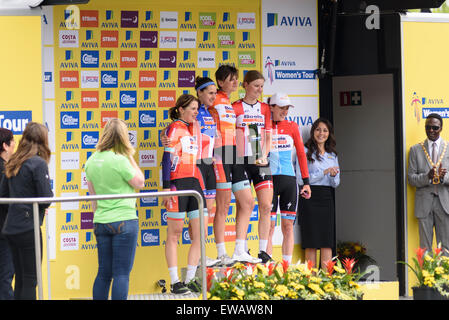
<point x="427" y="166"/>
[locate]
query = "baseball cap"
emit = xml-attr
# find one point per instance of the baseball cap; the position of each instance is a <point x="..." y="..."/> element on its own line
<point x="280" y="99"/>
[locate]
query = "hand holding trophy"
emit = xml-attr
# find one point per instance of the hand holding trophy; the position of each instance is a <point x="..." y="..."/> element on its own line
<point x="255" y="141"/>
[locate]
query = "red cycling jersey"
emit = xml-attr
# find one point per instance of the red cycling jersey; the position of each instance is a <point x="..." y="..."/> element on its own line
<point x="224" y="117"/>
<point x="183" y="151"/>
<point x="258" y="113"/>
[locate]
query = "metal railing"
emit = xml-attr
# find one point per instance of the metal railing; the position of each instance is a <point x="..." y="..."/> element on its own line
<point x="37" y="240"/>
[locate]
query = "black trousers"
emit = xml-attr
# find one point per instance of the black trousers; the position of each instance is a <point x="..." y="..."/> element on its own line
<point x="24" y="259"/>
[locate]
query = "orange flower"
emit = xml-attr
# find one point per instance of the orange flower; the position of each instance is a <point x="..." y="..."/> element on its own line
<point x="330" y="266"/>
<point x="309" y="264"/>
<point x="285" y="265"/>
<point x="209" y="276"/>
<point x="271" y="267"/>
<point x="420" y="254"/>
<point x="349" y="264"/>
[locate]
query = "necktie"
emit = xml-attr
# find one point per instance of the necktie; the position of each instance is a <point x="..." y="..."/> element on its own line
<point x="434" y="153"/>
<point x="434" y="160"/>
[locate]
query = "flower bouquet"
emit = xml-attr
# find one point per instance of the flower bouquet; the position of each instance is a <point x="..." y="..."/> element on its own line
<point x="281" y="281"/>
<point x="431" y="270"/>
<point x="355" y="250"/>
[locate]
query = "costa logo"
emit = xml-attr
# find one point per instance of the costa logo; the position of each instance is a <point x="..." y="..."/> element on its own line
<point x="109" y="38"/>
<point x="89" y="99"/>
<point x="89" y="18"/>
<point x="69" y="79"/>
<point x="128" y="59"/>
<point x="68" y="39"/>
<point x="107" y="115"/>
<point x="147" y="158"/>
<point x="147" y="79"/>
<point x="167" y="98"/>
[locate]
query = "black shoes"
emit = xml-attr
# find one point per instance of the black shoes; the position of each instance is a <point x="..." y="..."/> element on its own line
<point x="265" y="257"/>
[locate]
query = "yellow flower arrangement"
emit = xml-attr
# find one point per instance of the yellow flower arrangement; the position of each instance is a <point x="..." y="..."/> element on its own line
<point x="431" y="270"/>
<point x="277" y="280"/>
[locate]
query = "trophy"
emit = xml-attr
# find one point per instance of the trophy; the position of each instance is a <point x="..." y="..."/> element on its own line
<point x="254" y="139"/>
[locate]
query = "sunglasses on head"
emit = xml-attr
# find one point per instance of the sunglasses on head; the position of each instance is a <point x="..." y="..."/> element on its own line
<point x="434" y="128"/>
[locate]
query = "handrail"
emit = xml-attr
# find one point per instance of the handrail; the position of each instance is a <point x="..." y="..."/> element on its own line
<point x="36" y="201"/>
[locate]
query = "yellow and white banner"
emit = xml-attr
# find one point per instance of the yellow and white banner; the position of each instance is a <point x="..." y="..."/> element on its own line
<point x="424" y="74"/>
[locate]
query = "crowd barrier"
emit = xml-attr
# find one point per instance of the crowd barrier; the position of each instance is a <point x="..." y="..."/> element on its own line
<point x="37" y="201"/>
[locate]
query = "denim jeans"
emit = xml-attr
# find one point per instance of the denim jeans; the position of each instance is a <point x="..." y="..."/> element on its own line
<point x="116" y="244"/>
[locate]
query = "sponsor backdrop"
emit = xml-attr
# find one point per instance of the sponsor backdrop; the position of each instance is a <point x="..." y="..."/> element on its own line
<point x="105" y="60"/>
<point x="289" y="61"/>
<point x="424" y="92"/>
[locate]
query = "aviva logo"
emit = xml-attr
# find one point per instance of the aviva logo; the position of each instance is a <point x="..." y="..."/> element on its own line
<point x="288" y="21"/>
<point x="272" y="19"/>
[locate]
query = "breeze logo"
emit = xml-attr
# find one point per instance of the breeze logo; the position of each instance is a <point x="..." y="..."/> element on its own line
<point x="150" y="237"/>
<point x="149" y="201"/>
<point x="15" y="121"/>
<point x="287" y="21"/>
<point x="147" y="118"/>
<point x="90" y="59"/>
<point x="109" y="79"/>
<point x="186" y="236"/>
<point x="128" y="99"/>
<point x="89" y="139"/>
<point x="70" y="120"/>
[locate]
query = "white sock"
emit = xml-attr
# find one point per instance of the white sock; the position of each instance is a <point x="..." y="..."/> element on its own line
<point x="246" y="245"/>
<point x="221" y="249"/>
<point x="173" y="274"/>
<point x="263" y="245"/>
<point x="287" y="258"/>
<point x="191" y="271"/>
<point x="239" y="246"/>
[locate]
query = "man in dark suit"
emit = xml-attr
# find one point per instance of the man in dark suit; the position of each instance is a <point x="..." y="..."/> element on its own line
<point x="427" y="166"/>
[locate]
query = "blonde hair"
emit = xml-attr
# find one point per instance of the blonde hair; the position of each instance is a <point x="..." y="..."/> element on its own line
<point x="34" y="142"/>
<point x="115" y="137"/>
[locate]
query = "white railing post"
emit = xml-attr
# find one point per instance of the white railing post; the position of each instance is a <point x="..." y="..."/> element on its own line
<point x="37" y="239"/>
<point x="202" y="245"/>
<point x="37" y="249"/>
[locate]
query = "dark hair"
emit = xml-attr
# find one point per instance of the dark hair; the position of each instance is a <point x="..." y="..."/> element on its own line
<point x="34" y="142"/>
<point x="329" y="145"/>
<point x="224" y="71"/>
<point x="182" y="102"/>
<point x="199" y="81"/>
<point x="436" y="116"/>
<point x="6" y="136"/>
<point x="252" y="75"/>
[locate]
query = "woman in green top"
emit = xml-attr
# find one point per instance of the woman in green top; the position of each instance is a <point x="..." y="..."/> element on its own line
<point x="112" y="170"/>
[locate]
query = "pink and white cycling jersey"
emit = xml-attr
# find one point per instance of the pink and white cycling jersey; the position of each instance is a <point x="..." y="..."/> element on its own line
<point x="258" y="113"/>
